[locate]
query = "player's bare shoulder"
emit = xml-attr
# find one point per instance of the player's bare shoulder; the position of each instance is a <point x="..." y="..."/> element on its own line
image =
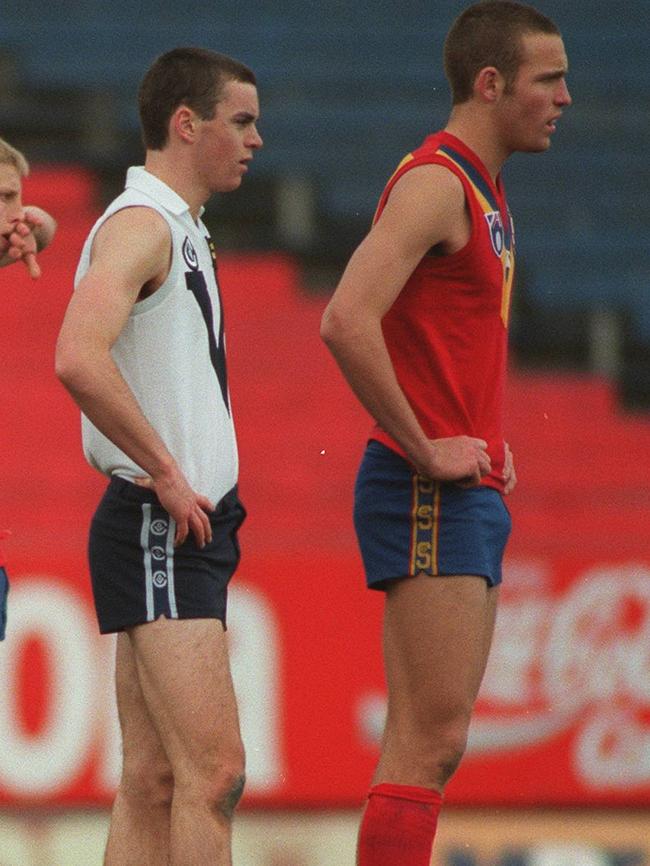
<point x="135" y="242"/>
<point x="428" y="202"/>
<point x="135" y="225"/>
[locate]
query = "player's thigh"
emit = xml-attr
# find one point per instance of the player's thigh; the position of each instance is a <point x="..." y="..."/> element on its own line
<point x="437" y="636"/>
<point x="184" y="672"/>
<point x="144" y="754"/>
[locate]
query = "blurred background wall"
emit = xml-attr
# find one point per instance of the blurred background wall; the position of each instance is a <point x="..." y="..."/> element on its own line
<point x="346" y="90"/>
<point x="558" y="770"/>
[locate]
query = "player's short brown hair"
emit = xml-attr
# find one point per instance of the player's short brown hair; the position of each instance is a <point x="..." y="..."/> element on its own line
<point x="10" y="156"/>
<point x="489" y="33"/>
<point x="194" y="77"/>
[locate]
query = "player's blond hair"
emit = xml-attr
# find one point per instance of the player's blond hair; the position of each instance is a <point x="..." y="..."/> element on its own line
<point x="10" y="156"/>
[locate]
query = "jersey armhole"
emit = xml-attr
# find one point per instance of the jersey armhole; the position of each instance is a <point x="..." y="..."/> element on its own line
<point x="157" y="296"/>
<point x="419" y="163"/>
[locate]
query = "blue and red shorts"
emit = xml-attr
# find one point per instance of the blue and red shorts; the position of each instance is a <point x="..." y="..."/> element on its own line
<point x="407" y="524"/>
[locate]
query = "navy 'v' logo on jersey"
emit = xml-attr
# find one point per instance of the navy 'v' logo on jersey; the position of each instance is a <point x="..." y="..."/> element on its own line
<point x="196" y="284"/>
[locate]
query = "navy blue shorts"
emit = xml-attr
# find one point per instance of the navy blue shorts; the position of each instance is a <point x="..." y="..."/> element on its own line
<point x="4" y="590"/>
<point x="408" y="525"/>
<point x="137" y="573"/>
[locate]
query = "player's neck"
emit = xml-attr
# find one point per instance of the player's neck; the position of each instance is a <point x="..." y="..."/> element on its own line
<point x="476" y="130"/>
<point x="179" y="177"/>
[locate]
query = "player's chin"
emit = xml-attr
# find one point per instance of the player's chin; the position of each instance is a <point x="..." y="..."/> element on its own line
<point x="539" y="146"/>
<point x="230" y="184"/>
<point x="542" y="144"/>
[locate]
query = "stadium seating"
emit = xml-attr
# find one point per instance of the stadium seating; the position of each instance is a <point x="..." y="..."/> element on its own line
<point x="346" y="90"/>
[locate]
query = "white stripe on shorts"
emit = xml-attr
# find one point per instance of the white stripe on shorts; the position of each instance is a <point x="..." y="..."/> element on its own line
<point x="169" y="550"/>
<point x="144" y="543"/>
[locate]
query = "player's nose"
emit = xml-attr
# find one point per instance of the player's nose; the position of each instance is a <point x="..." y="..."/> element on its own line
<point x="255" y="141"/>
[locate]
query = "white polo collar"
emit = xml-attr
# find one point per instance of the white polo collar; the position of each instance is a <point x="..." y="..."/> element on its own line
<point x="137" y="177"/>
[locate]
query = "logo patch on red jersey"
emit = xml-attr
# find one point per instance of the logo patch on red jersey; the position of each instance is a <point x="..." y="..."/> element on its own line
<point x="497" y="234"/>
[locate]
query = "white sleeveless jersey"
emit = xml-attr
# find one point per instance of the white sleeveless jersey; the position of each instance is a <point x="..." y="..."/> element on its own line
<point x="171" y="352"/>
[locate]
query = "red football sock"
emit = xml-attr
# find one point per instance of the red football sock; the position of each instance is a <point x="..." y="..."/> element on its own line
<point x="398" y="826"/>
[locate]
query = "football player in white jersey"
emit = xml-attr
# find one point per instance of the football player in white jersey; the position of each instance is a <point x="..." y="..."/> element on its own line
<point x="163" y="540"/>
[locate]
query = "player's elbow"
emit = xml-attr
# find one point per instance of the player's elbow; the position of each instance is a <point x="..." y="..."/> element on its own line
<point x="345" y="327"/>
<point x="63" y="364"/>
<point x="333" y="326"/>
<point x="69" y="367"/>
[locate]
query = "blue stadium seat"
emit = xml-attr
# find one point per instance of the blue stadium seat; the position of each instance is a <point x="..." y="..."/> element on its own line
<point x="347" y="89"/>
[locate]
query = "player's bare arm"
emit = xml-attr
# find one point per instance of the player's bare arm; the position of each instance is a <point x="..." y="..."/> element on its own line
<point x="426" y="208"/>
<point x="131" y="255"/>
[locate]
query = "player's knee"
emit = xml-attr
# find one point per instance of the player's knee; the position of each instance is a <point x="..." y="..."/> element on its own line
<point x="222" y="791"/>
<point x="147" y="782"/>
<point x="447" y="762"/>
<point x="232" y="794"/>
<point x="228" y="779"/>
<point x="435" y="749"/>
<point x="219" y="784"/>
<point x="446" y="753"/>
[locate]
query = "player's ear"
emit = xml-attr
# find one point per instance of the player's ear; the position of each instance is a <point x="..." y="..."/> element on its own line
<point x="183" y="123"/>
<point x="489" y="84"/>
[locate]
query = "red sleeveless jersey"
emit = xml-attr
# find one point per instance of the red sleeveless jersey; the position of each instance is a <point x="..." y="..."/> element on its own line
<point x="447" y="331"/>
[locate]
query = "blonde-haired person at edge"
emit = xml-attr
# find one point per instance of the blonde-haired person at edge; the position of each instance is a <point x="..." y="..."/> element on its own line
<point x="24" y="230"/>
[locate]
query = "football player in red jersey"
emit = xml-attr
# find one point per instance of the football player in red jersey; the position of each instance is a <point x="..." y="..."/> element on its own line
<point x="418" y="326"/>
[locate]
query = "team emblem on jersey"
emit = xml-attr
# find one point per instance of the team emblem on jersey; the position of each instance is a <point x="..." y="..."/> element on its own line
<point x="497" y="235"/>
<point x="190" y="256"/>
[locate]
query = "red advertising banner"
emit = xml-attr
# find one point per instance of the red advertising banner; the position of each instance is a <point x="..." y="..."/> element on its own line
<point x="563" y="718"/>
<point x="564" y="713"/>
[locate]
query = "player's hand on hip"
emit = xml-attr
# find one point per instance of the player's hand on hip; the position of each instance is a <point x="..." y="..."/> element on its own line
<point x="461" y="459"/>
<point x="187" y="508"/>
<point x="509" y="474"/>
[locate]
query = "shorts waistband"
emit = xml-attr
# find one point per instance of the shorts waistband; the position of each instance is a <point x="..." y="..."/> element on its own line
<point x="121" y="486"/>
